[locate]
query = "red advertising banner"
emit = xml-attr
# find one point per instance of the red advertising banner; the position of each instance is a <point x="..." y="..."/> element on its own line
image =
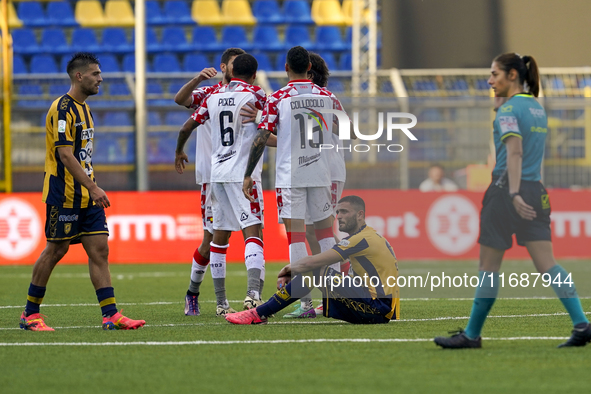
<point x="165" y="227"/>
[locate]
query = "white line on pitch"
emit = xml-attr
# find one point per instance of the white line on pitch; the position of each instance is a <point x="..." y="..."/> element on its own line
<point x="259" y="342"/>
<point x="325" y="321"/>
<point x="238" y="301"/>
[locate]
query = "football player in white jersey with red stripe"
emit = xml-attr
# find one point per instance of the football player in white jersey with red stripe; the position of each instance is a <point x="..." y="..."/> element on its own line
<point x="319" y="74"/>
<point x="231" y="142"/>
<point x="294" y="114"/>
<point x="191" y="97"/>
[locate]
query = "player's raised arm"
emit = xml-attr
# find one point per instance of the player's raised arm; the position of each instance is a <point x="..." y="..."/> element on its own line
<point x="184" y="95"/>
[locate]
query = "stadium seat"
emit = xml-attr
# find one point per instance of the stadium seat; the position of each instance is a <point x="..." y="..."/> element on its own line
<point x="194" y="63"/>
<point x="128" y="64"/>
<point x="119" y="91"/>
<point x="267" y="12"/>
<point x="114" y="40"/>
<point x="152" y="43"/>
<point x="205" y="39"/>
<point x="235" y="36"/>
<point x="266" y="38"/>
<point x="25" y="42"/>
<point x="237" y="12"/>
<point x="174" y="39"/>
<point x="13" y="21"/>
<point x="330" y="60"/>
<point x="298" y="35"/>
<point x="60" y="13"/>
<point x="84" y="39"/>
<point x="387" y="87"/>
<point x="328" y="13"/>
<point x="117" y="118"/>
<point x="109" y="63"/>
<point x="280" y="62"/>
<point x="154" y="14"/>
<point x="18" y="65"/>
<point x="119" y="13"/>
<point x="154" y="117"/>
<point x="43" y="64"/>
<point x="263" y="61"/>
<point x="346" y="62"/>
<point x="154" y="96"/>
<point x="166" y="63"/>
<point x="89" y="13"/>
<point x="176" y="118"/>
<point x="482" y="84"/>
<point x="207" y="12"/>
<point x="57" y="90"/>
<point x="347" y="9"/>
<point x="161" y="147"/>
<point x="53" y="40"/>
<point x="32" y="14"/>
<point x="328" y="38"/>
<point x="297" y="11"/>
<point x="336" y="86"/>
<point x="114" y="148"/>
<point x="30" y="96"/>
<point x="178" y="12"/>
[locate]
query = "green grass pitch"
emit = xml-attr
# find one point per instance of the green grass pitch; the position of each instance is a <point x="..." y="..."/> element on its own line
<point x="175" y="353"/>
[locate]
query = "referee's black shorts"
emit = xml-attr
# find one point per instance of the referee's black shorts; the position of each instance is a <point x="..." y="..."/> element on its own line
<point x="499" y="219"/>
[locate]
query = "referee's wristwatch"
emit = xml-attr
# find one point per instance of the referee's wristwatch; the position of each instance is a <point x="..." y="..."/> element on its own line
<point x="512" y="195"/>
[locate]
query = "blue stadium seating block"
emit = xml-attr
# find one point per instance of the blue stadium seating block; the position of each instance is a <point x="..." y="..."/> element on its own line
<point x="60" y="13"/>
<point x="266" y="38"/>
<point x="297" y="12"/>
<point x="267" y="12"/>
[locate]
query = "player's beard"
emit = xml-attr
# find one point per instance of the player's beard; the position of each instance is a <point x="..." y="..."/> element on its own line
<point x="91" y="90"/>
<point x="348" y="226"/>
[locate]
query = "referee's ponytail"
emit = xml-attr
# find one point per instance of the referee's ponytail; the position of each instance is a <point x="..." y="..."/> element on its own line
<point x="526" y="67"/>
<point x="532" y="75"/>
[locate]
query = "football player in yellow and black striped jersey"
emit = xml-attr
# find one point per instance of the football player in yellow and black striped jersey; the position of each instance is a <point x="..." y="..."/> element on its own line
<point x="367" y="297"/>
<point x="75" y="204"/>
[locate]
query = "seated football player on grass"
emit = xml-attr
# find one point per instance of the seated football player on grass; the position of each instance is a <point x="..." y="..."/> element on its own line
<point x="371" y="296"/>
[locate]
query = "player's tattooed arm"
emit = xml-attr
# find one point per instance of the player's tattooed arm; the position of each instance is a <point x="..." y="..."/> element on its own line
<point x="256" y="151"/>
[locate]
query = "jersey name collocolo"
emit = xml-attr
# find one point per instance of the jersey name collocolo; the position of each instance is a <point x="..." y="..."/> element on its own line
<point x="521" y="116"/>
<point x="290" y="113"/>
<point x="203" y="137"/>
<point x="230" y="139"/>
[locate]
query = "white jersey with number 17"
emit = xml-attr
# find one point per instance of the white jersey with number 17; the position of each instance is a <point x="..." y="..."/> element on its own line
<point x="230" y="139"/>
<point x="295" y="114"/>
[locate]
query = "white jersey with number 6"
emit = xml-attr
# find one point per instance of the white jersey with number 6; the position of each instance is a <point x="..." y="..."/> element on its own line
<point x="295" y="114"/>
<point x="230" y="139"/>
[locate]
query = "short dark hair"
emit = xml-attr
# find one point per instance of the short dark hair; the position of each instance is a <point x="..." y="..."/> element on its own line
<point x="319" y="70"/>
<point x="355" y="201"/>
<point x="230" y="53"/>
<point x="245" y="66"/>
<point x="298" y="60"/>
<point x="81" y="60"/>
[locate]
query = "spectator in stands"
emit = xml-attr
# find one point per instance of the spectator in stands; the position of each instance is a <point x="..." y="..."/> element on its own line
<point x="436" y="182"/>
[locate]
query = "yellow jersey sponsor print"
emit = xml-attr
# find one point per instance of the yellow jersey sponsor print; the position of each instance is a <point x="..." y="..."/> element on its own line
<point x="68" y="124"/>
<point x="371" y="255"/>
